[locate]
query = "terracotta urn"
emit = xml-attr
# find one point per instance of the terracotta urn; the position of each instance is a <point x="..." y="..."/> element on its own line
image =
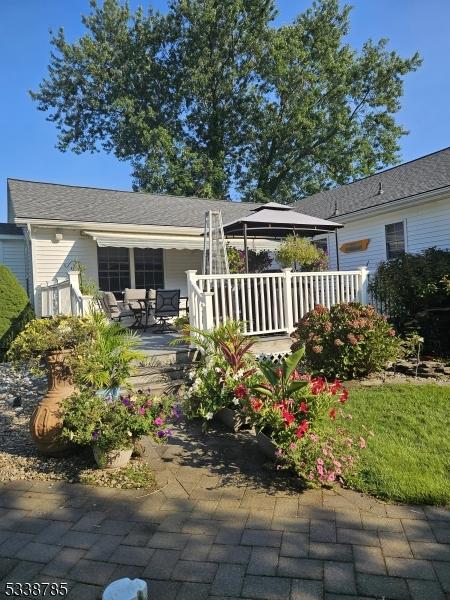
<point x="46" y="420"/>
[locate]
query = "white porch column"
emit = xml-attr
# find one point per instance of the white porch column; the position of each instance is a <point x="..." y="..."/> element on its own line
<point x="208" y="315"/>
<point x="287" y="298"/>
<point x="364" y="289"/>
<point x="132" y="268"/>
<point x="191" y="277"/>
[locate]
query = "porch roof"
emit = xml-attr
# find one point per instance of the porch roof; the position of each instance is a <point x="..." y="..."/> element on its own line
<point x="177" y="242"/>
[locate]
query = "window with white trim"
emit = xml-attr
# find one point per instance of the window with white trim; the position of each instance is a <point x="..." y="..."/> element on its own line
<point x="149" y="268"/>
<point x="113" y="269"/>
<point x="395" y="239"/>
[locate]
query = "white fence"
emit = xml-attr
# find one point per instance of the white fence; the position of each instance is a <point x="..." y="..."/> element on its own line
<point x="269" y="302"/>
<point x="62" y="296"/>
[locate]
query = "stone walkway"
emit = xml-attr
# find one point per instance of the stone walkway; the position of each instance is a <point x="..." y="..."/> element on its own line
<point x="222" y="526"/>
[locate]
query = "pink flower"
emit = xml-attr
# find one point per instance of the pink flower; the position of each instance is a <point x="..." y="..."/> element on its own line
<point x="318" y="385"/>
<point x="362" y="442"/>
<point x="314" y="437"/>
<point x="311" y="476"/>
<point x="319" y="461"/>
<point x="142" y="410"/>
<point x="158" y="421"/>
<point x="292" y="445"/>
<point x="320" y="469"/>
<point x="338" y="342"/>
<point x="303" y="407"/>
<point x="331" y="476"/>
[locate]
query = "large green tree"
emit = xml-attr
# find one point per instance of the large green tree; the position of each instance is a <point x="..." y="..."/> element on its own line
<point x="212" y="97"/>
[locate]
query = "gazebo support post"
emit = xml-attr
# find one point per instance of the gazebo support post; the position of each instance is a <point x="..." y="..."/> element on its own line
<point x="245" y="247"/>
<point x="337" y="250"/>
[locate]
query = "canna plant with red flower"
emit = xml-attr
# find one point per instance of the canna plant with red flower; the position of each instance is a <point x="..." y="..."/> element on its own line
<point x="305" y="418"/>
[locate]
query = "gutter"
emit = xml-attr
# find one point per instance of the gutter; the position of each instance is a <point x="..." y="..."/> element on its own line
<point x="113" y="227"/>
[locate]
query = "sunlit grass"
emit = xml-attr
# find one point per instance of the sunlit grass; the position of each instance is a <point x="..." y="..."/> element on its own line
<point x="408" y="458"/>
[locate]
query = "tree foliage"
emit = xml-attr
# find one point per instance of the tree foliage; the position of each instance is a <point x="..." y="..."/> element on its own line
<point x="212" y="97"/>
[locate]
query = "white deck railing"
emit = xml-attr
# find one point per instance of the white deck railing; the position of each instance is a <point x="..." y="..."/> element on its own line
<point x="269" y="302"/>
<point x="62" y="296"/>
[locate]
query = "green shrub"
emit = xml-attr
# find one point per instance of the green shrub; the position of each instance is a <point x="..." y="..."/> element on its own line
<point x="346" y="341"/>
<point x="15" y="309"/>
<point x="413" y="283"/>
<point x="258" y="261"/>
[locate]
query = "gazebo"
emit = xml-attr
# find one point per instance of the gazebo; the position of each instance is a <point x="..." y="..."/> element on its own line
<point x="276" y="221"/>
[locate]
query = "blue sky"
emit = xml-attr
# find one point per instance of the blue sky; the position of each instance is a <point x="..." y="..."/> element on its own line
<point x="27" y="141"/>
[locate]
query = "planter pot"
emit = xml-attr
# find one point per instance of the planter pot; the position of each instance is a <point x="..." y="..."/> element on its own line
<point x="105" y="392"/>
<point x="46" y="420"/>
<point x="232" y="419"/>
<point x="112" y="459"/>
<point x="266" y="445"/>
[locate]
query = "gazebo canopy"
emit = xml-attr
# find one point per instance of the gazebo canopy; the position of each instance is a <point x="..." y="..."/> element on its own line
<point x="275" y="220"/>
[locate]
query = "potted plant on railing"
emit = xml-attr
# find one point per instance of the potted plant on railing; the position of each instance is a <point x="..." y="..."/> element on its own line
<point x="48" y="346"/>
<point x="112" y="427"/>
<point x="105" y="362"/>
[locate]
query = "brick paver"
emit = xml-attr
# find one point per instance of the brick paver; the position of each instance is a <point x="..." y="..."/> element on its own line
<point x="223" y="530"/>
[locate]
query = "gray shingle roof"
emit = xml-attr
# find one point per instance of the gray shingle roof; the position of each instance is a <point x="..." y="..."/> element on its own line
<point x="424" y="174"/>
<point x="10" y="229"/>
<point x="50" y="201"/>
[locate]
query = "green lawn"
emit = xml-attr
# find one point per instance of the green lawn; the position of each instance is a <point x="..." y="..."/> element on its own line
<point x="408" y="459"/>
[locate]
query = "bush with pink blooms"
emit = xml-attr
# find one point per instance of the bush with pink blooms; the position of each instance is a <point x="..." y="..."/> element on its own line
<point x="347" y="341"/>
<point x="305" y="418"/>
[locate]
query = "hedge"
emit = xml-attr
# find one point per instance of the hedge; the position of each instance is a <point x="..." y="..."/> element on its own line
<point x="15" y="309"/>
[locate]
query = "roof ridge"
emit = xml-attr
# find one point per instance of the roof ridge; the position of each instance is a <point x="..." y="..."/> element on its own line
<point x="89" y="187"/>
<point x="408" y="162"/>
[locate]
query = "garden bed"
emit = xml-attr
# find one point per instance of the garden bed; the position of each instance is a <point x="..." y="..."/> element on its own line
<point x="19" y="459"/>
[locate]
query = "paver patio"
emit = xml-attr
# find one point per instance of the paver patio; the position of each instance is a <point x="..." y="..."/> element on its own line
<point x="222" y="526"/>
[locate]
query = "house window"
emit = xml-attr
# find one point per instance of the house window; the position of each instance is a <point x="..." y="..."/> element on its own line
<point x="149" y="269"/>
<point x="113" y="269"/>
<point x="395" y="240"/>
<point x="322" y="244"/>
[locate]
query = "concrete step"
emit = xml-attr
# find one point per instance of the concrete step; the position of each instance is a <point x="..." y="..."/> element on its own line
<point x="158" y="388"/>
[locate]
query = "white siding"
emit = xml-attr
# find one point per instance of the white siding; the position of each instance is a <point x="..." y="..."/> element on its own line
<point x="176" y="263"/>
<point x="12" y="254"/>
<point x="52" y="258"/>
<point x="425" y="226"/>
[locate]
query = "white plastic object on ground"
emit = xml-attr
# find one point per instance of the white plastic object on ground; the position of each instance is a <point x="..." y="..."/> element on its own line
<point x="126" y="589"/>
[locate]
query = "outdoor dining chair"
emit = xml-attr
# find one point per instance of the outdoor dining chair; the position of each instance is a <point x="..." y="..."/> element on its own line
<point x="167" y="306"/>
<point x="112" y="308"/>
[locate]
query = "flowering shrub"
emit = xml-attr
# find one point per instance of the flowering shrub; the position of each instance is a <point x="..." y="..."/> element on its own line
<point x="226" y="375"/>
<point x="305" y="418"/>
<point x="348" y="340"/>
<point x="89" y="419"/>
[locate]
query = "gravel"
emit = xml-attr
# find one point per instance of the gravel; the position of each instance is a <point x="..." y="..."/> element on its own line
<point x="20" y="392"/>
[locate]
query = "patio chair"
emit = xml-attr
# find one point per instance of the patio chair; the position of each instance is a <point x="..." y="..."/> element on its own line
<point x="112" y="308"/>
<point x="135" y="299"/>
<point x="167" y="306"/>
